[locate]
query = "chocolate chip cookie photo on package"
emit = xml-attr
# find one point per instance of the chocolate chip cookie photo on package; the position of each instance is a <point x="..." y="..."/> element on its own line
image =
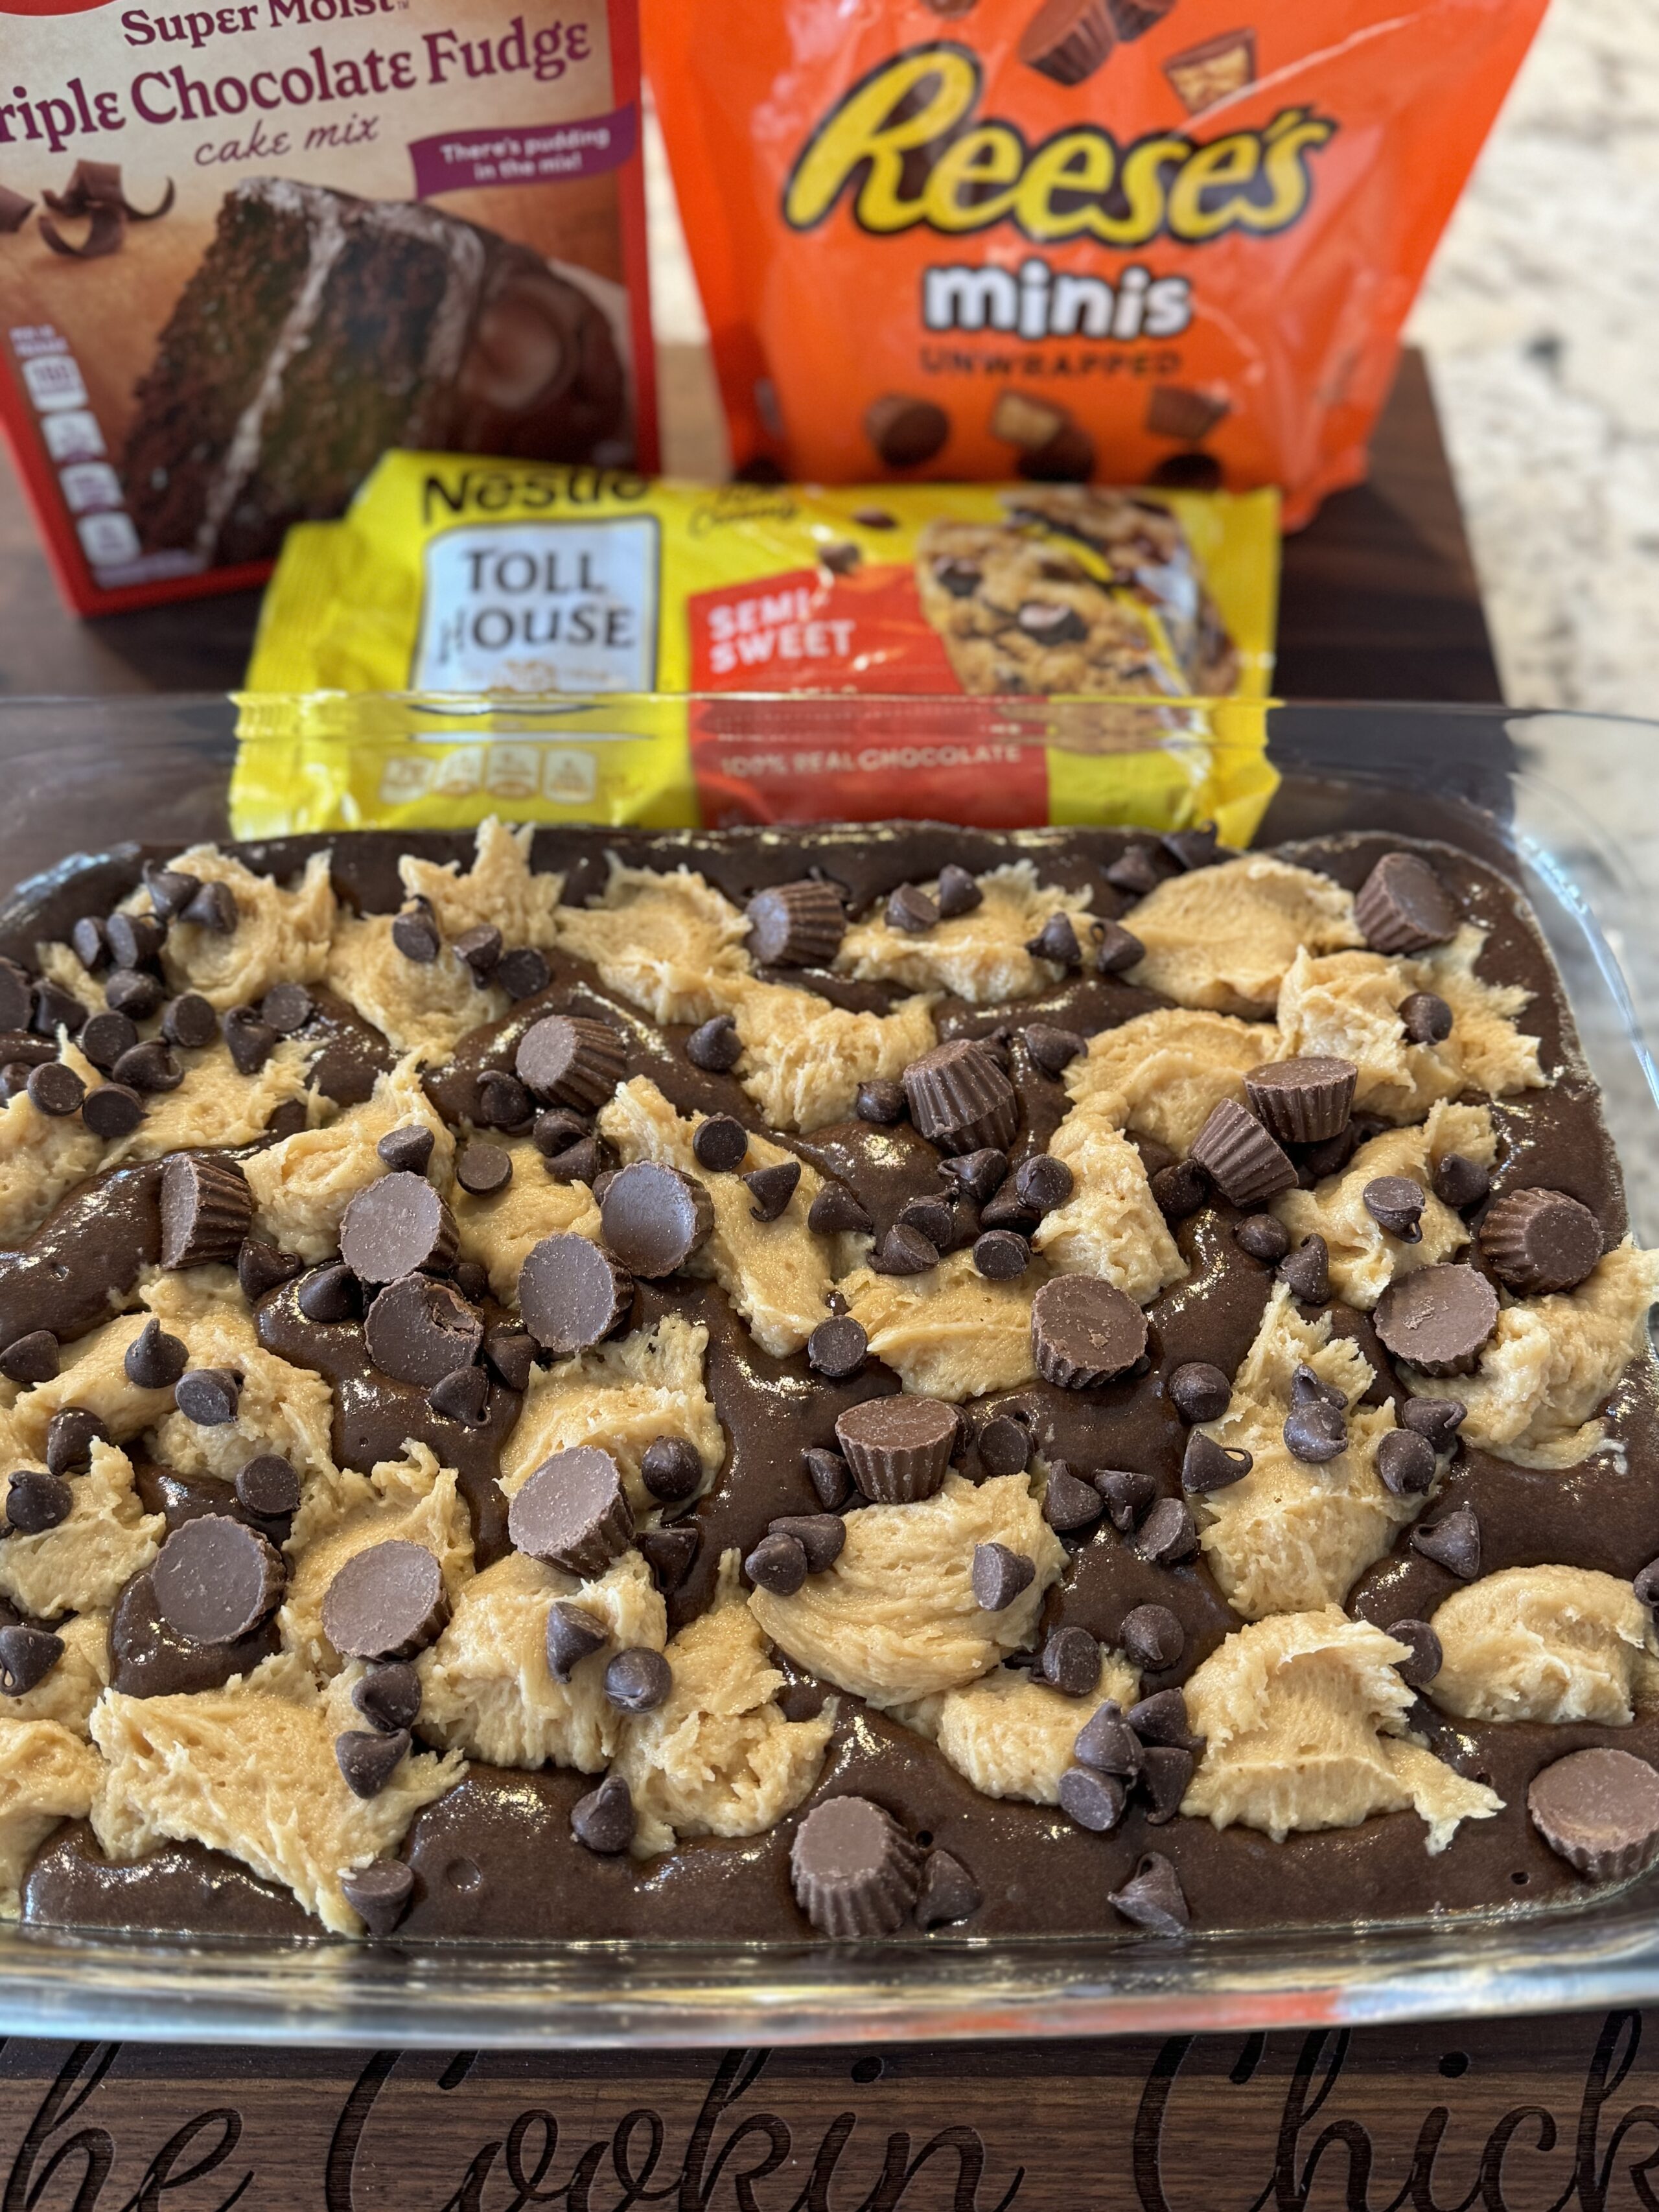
<point x="245" y="251"/>
<point x="1115" y="241"/>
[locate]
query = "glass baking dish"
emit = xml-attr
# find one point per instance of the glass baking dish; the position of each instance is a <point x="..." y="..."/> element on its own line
<point x="1570" y="806"/>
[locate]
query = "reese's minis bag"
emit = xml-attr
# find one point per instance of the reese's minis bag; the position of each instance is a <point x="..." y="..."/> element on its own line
<point x="244" y="249"/>
<point x="1107" y="618"/>
<point x="1164" y="241"/>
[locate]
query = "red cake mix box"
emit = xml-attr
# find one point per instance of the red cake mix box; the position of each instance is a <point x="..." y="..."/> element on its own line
<point x="246" y="248"/>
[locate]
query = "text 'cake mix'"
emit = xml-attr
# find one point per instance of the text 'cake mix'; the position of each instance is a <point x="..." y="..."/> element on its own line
<point x="244" y="249"/>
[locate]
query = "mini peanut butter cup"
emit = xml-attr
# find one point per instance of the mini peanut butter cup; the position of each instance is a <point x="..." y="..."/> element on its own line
<point x="797" y="924"/>
<point x="960" y="1099"/>
<point x="571" y="1294"/>
<point x="898" y="1448"/>
<point x="1403" y="906"/>
<point x="1439" y="1319"/>
<point x="1539" y="1240"/>
<point x="1304" y="1101"/>
<point x="385" y="1602"/>
<point x="1084" y="1331"/>
<point x="420" y="1330"/>
<point x="905" y="430"/>
<point x="855" y="1870"/>
<point x="1067" y="39"/>
<point x="567" y="1060"/>
<point x="573" y="1511"/>
<point x="654" y="1218"/>
<point x="206" y="1207"/>
<point x="1245" y="1164"/>
<point x="1598" y="1810"/>
<point x="216" y="1579"/>
<point x="397" y="1227"/>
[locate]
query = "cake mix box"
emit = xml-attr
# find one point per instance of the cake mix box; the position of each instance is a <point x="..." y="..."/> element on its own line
<point x="1166" y="241"/>
<point x="246" y="248"/>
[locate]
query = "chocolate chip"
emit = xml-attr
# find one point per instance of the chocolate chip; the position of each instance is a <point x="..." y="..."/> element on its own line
<point x="836" y="1211"/>
<point x="980" y="1174"/>
<point x="959" y="577"/>
<point x="772" y="1188"/>
<point x="1241" y="1159"/>
<point x="216" y="1579"/>
<point x="1168" y="1534"/>
<point x="249" y="1041"/>
<point x="1068" y="1504"/>
<point x="948" y="1891"/>
<point x="1093" y="1800"/>
<point x="27" y="1656"/>
<point x="407" y="1150"/>
<point x="212" y="908"/>
<point x="1162" y="1718"/>
<point x="190" y="1022"/>
<point x="799" y="925"/>
<point x="1179" y="1189"/>
<point x="1057" y="941"/>
<point x="931" y="1218"/>
<point x="573" y="1634"/>
<point x="385" y="1602"/>
<point x="462" y="1395"/>
<point x="1263" y="1237"/>
<point x="55" y="1091"/>
<point x="1052" y="1049"/>
<point x="904" y="1251"/>
<point x="105" y="1037"/>
<point x="1206" y="1466"/>
<point x="90" y="947"/>
<point x="1042" y="1183"/>
<point x="715" y="1046"/>
<point x="556" y="1129"/>
<point x="1303" y="1100"/>
<point x="654" y="1218"/>
<point x="1107" y="1743"/>
<point x="1191" y="849"/>
<point x="367" y="1761"/>
<point x="958" y="893"/>
<point x="267" y="1486"/>
<point x="1152" y="1637"/>
<point x="854" y="1870"/>
<point x="638" y="1680"/>
<point x="134" y="939"/>
<point x="1453" y="1542"/>
<point x="671" y="1470"/>
<point x="820" y="1535"/>
<point x="1459" y="1181"/>
<point x="1127" y="1494"/>
<point x="573" y="1512"/>
<point x="1199" y="1391"/>
<point x="1405" y="1462"/>
<point x="480" y="949"/>
<point x="1004" y="1445"/>
<point x="910" y="910"/>
<point x="155" y="1360"/>
<point x="1153" y="1898"/>
<point x="1395" y="1204"/>
<point x="1000" y="1575"/>
<point x="522" y="972"/>
<point x="1438" y="1419"/>
<point x="379" y="1894"/>
<point x="1137" y="872"/>
<point x="394" y="1228"/>
<point x="56" y="1009"/>
<point x="1165" y="1775"/>
<point x="1000" y="1255"/>
<point x="415" y="934"/>
<point x="603" y="1821"/>
<point x="898" y="1449"/>
<point x="881" y="1101"/>
<point x="16" y="995"/>
<point x="579" y="1164"/>
<point x="777" y="1565"/>
<point x="1070" y="1662"/>
<point x="1116" y="949"/>
<point x="472" y="1279"/>
<point x="720" y="1144"/>
<point x="208" y="1396"/>
<point x="1426" y="1018"/>
<point x="483" y="1168"/>
<point x="1425" y="1655"/>
<point x="1314" y="1433"/>
<point x="206" y="1207"/>
<point x="1307" y="1270"/>
<point x="1598" y="1810"/>
<point x="1439" y="1318"/>
<point x="130" y="992"/>
<point x="329" y="1294"/>
<point x="502" y="1101"/>
<point x="566" y="1060"/>
<point x="829" y="1476"/>
<point x="34" y="1358"/>
<point x="420" y="1330"/>
<point x="111" y="1111"/>
<point x="1084" y="1331"/>
<point x="1403" y="907"/>
<point x="1533" y="1241"/>
<point x="37" y="1501"/>
<point x="71" y="1436"/>
<point x="838" y="1347"/>
<point x="171" y="889"/>
<point x="960" y="1099"/>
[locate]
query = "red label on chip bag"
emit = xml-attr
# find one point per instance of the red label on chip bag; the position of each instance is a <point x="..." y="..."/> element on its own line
<point x="804" y="631"/>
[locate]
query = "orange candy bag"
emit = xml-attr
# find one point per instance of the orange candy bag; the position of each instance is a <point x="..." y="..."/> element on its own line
<point x="1167" y="241"/>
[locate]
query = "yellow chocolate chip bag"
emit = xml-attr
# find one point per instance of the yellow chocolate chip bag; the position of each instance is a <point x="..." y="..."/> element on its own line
<point x="995" y="654"/>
